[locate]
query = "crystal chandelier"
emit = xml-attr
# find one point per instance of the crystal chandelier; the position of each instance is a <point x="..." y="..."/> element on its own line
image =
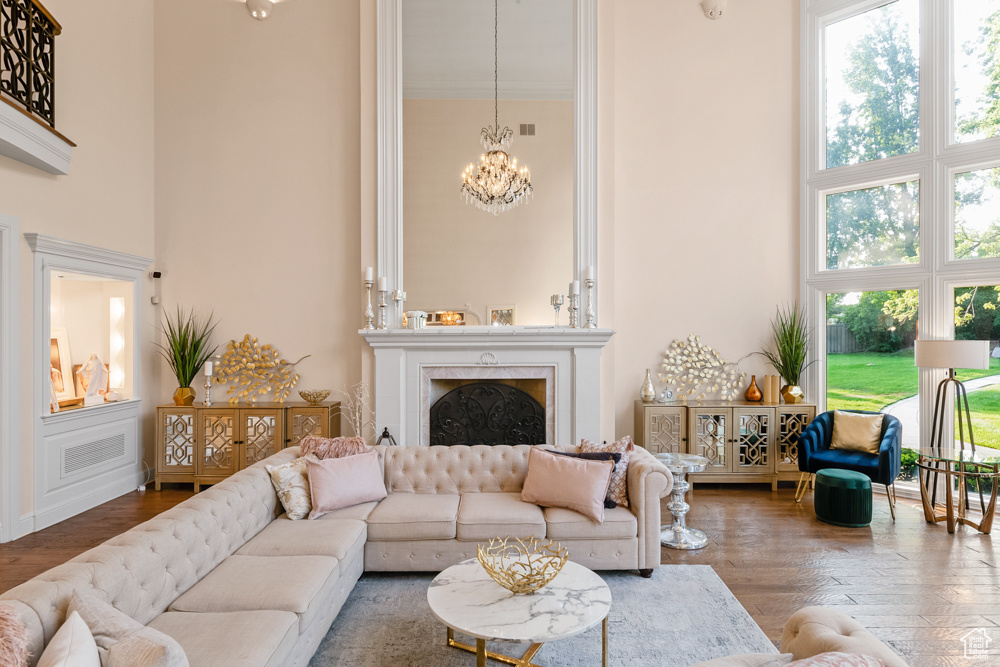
<point x="497" y="184"/>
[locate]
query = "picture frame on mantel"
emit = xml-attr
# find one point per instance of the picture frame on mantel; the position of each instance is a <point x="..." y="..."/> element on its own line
<point x="502" y="315"/>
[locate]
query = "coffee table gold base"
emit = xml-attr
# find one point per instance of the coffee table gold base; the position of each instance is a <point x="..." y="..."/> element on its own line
<point x="482" y="655"/>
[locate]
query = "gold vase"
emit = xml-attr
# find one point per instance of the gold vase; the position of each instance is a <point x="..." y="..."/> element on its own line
<point x="647" y="393"/>
<point x="184" y="396"/>
<point x="752" y="393"/>
<point x="792" y="393"/>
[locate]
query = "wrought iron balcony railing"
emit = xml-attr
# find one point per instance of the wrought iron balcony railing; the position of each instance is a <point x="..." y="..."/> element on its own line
<point x="27" y="57"/>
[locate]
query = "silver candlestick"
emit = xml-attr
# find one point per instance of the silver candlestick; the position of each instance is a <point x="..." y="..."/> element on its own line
<point x="572" y="308"/>
<point x="557" y="301"/>
<point x="381" y="310"/>
<point x="369" y="314"/>
<point x="208" y="391"/>
<point x="590" y="324"/>
<point x="399" y="297"/>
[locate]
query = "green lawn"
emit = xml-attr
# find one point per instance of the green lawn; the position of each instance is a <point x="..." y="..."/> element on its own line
<point x="867" y="381"/>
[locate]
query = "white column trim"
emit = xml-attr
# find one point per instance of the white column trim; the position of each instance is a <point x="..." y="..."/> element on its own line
<point x="10" y="375"/>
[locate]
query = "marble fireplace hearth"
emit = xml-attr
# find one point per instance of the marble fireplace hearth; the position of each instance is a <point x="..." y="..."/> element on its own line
<point x="411" y="366"/>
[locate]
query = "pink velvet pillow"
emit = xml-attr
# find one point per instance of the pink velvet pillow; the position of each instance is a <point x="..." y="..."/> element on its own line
<point x="333" y="448"/>
<point x="344" y="482"/>
<point x="562" y="481"/>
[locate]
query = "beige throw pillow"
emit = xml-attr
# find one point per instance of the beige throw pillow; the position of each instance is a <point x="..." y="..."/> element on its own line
<point x="291" y="481"/>
<point x="123" y="641"/>
<point x="562" y="481"/>
<point x="71" y="646"/>
<point x="618" y="491"/>
<point x="857" y="432"/>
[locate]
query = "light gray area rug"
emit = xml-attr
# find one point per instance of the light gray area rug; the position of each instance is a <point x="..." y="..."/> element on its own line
<point x="683" y="615"/>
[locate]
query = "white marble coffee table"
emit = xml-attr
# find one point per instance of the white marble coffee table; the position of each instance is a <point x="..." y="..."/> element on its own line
<point x="466" y="599"/>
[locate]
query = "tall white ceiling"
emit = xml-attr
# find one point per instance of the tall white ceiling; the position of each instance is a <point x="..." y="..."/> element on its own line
<point x="448" y="49"/>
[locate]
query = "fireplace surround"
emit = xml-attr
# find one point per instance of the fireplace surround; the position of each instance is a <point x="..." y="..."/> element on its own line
<point x="563" y="363"/>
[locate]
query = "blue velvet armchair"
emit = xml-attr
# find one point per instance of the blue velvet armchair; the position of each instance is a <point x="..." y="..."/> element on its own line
<point x="882" y="468"/>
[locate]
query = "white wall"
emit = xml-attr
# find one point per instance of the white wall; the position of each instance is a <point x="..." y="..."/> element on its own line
<point x="104" y="103"/>
<point x="705" y="179"/>
<point x="257" y="178"/>
<point x="455" y="253"/>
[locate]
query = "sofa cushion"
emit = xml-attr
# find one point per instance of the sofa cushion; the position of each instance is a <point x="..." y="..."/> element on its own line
<point x="299" y="584"/>
<point x="563" y="524"/>
<point x="357" y="512"/>
<point x="414" y="516"/>
<point x="123" y="641"/>
<point x="284" y="537"/>
<point x="232" y="639"/>
<point x="482" y="516"/>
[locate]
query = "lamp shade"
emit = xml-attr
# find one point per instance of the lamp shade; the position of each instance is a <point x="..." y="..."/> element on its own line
<point x="952" y="353"/>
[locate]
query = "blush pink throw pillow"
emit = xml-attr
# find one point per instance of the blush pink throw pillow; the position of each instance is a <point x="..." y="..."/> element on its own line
<point x="333" y="448"/>
<point x="13" y="638"/>
<point x="344" y="482"/>
<point x="562" y="481"/>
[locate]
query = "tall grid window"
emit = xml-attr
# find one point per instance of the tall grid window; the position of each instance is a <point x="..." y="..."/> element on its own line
<point x="900" y="196"/>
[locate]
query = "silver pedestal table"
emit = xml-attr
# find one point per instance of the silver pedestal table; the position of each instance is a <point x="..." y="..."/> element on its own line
<point x="678" y="535"/>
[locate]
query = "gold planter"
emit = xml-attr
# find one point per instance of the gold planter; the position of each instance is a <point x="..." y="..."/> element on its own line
<point x="792" y="393"/>
<point x="184" y="396"/>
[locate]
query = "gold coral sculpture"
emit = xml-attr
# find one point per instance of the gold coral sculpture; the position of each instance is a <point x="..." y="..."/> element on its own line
<point x="698" y="370"/>
<point x="522" y="566"/>
<point x="252" y="370"/>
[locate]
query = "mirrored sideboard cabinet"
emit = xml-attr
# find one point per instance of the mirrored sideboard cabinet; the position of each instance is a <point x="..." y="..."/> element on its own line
<point x="743" y="441"/>
<point x="204" y="445"/>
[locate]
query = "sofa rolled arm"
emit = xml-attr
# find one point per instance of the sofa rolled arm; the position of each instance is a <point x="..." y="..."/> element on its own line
<point x="648" y="481"/>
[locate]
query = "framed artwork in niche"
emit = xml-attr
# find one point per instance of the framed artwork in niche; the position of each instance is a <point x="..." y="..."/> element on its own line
<point x="61" y="364"/>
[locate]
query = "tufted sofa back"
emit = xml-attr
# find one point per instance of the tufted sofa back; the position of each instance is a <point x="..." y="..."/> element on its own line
<point x="453" y="470"/>
<point x="143" y="570"/>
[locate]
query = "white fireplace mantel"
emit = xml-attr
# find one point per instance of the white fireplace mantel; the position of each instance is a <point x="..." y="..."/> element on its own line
<point x="403" y="357"/>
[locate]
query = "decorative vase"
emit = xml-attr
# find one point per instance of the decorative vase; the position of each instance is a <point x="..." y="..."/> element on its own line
<point x="792" y="393"/>
<point x="752" y="393"/>
<point x="184" y="396"/>
<point x="646" y="393"/>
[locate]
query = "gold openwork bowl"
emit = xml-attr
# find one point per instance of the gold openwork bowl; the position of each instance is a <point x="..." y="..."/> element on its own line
<point x="522" y="566"/>
<point x="314" y="396"/>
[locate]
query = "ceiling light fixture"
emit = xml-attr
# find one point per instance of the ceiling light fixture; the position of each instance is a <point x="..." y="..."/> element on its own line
<point x="260" y="9"/>
<point x="496" y="185"/>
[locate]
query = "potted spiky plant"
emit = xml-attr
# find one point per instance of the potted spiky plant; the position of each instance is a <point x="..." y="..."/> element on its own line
<point x="789" y="348"/>
<point x="187" y="348"/>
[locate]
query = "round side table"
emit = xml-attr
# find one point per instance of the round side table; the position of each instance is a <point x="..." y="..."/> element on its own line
<point x="678" y="535"/>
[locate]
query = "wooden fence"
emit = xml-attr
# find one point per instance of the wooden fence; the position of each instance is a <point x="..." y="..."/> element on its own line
<point x="840" y="340"/>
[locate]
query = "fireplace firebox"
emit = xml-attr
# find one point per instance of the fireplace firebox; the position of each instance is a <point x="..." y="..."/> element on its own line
<point x="487" y="413"/>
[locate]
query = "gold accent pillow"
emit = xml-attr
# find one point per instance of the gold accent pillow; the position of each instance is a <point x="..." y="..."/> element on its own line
<point x="291" y="481"/>
<point x="861" y="433"/>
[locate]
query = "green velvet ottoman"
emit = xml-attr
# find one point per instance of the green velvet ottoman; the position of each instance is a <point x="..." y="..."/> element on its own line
<point x="843" y="498"/>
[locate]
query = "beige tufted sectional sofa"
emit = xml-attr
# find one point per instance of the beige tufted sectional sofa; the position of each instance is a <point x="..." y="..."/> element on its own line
<point x="237" y="583"/>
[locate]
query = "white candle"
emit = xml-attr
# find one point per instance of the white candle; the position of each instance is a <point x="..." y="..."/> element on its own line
<point x="571" y="292"/>
<point x="208" y="368"/>
<point x="381" y="283"/>
<point x="368" y="274"/>
<point x="590" y="272"/>
<point x="575" y="289"/>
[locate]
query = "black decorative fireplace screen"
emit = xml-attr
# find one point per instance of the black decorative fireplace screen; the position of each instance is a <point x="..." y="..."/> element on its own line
<point x="27" y="57"/>
<point x="487" y="413"/>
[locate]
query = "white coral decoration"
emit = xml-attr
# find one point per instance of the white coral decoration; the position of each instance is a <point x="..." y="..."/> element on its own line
<point x="698" y="370"/>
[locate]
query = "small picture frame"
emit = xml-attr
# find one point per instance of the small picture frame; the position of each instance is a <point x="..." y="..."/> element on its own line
<point x="63" y="378"/>
<point x="503" y="315"/>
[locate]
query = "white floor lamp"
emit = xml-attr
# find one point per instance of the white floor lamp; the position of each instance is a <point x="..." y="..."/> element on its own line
<point x="951" y="354"/>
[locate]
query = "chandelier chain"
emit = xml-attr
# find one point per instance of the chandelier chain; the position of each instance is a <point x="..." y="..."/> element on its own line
<point x="496" y="63"/>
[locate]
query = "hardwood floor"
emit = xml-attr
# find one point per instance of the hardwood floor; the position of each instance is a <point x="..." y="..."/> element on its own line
<point x="912" y="584"/>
